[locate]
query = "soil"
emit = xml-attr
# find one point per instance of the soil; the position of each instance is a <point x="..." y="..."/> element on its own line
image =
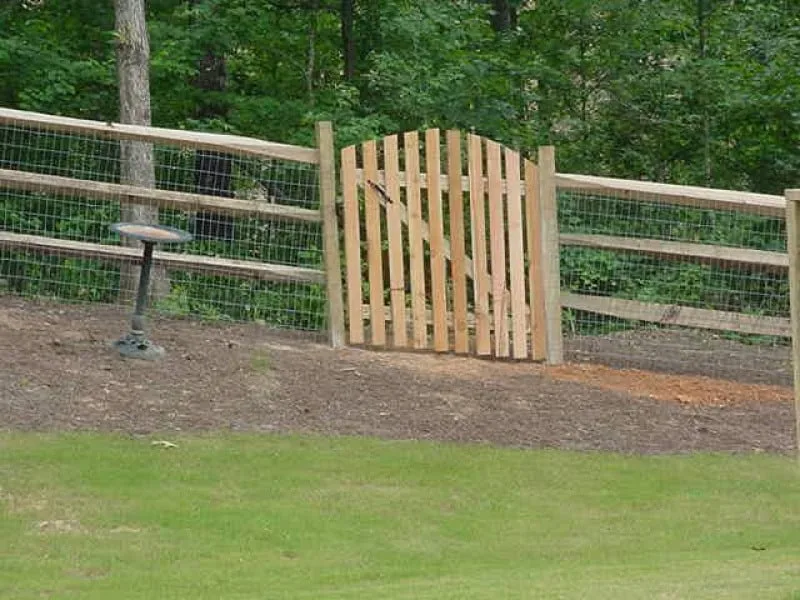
<point x="59" y="374"/>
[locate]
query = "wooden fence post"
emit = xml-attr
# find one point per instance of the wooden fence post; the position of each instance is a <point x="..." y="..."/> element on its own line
<point x="330" y="232"/>
<point x="793" y="248"/>
<point x="551" y="255"/>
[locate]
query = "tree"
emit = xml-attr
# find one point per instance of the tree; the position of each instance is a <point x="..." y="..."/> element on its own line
<point x="213" y="170"/>
<point x="348" y="39"/>
<point x="136" y="158"/>
<point x="504" y="15"/>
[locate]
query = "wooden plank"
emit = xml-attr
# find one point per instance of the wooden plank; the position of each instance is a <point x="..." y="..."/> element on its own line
<point x="793" y="252"/>
<point x="536" y="293"/>
<point x="352" y="245"/>
<point x="516" y="255"/>
<point x="441" y="335"/>
<point x="725" y="256"/>
<point x="457" y="253"/>
<point x="497" y="242"/>
<point x="477" y="207"/>
<point x="171" y="260"/>
<point x="330" y="233"/>
<point x="699" y="197"/>
<point x="178" y="137"/>
<point x="374" y="246"/>
<point x="673" y="314"/>
<point x="416" y="250"/>
<point x="128" y="194"/>
<point x="550" y="254"/>
<point x="426" y="233"/>
<point x="394" y="225"/>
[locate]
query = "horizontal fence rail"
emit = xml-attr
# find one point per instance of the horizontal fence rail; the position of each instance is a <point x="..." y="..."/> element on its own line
<point x="128" y="194"/>
<point x="171" y="260"/>
<point x="178" y="137"/>
<point x="673" y="314"/>
<point x="693" y="196"/>
<point x="705" y="253"/>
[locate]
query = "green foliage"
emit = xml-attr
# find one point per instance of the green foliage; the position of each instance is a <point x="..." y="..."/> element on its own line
<point x="285" y="305"/>
<point x="69" y="279"/>
<point x="688" y="91"/>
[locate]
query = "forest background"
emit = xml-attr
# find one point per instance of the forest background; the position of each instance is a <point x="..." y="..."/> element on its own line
<point x="702" y="92"/>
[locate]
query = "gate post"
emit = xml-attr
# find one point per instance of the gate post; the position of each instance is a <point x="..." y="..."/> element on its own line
<point x="551" y="254"/>
<point x="330" y="233"/>
<point x="793" y="249"/>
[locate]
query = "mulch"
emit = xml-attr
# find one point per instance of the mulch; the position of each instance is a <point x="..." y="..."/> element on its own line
<point x="60" y="374"/>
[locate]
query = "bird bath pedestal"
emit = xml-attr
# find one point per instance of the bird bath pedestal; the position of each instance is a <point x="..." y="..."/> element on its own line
<point x="135" y="344"/>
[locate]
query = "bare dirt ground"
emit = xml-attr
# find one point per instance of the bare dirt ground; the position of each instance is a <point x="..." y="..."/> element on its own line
<point x="59" y="373"/>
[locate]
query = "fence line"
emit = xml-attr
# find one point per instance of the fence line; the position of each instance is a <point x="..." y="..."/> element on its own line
<point x="665" y="259"/>
<point x="525" y="231"/>
<point x="718" y="255"/>
<point x="266" y="258"/>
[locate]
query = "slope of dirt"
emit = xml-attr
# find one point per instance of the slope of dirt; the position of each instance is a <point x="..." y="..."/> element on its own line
<point x="59" y="373"/>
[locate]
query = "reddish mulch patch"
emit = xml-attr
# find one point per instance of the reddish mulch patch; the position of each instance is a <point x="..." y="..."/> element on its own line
<point x="59" y="373"/>
<point x="686" y="389"/>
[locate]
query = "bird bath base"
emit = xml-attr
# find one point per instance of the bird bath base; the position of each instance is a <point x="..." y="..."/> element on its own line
<point x="136" y="345"/>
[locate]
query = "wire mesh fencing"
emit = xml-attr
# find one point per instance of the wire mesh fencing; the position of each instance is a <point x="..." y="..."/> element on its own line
<point x="677" y="284"/>
<point x="257" y="248"/>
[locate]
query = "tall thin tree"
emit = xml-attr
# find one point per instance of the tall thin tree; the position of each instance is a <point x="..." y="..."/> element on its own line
<point x="136" y="158"/>
<point x="348" y="39"/>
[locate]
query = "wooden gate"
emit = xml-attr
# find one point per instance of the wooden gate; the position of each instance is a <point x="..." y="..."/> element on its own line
<point x="447" y="244"/>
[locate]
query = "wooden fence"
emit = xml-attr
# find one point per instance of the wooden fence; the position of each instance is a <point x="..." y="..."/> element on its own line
<point x="697" y="197"/>
<point x="501" y="294"/>
<point x="323" y="156"/>
<point x="510" y="271"/>
<point x="452" y="242"/>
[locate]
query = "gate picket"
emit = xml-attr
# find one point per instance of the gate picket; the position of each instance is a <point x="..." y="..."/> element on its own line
<point x="533" y="217"/>
<point x="394" y="227"/>
<point x="497" y="243"/>
<point x="372" y="209"/>
<point x="516" y="255"/>
<point x="435" y="220"/>
<point x="457" y="251"/>
<point x="352" y="245"/>
<point x="477" y="205"/>
<point x="416" y="251"/>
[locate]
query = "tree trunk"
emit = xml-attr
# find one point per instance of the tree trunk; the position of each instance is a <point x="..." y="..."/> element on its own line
<point x="348" y="41"/>
<point x="213" y="170"/>
<point x="504" y="16"/>
<point x="311" y="64"/>
<point x="136" y="158"/>
<point x="703" y="16"/>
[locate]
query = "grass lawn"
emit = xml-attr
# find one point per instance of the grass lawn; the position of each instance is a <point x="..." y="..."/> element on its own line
<point x="230" y="517"/>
